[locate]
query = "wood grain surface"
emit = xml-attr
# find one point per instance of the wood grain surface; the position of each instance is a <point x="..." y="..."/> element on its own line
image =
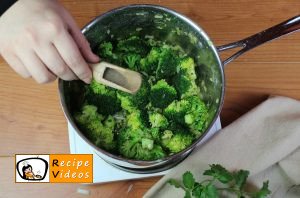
<point x="31" y="120"/>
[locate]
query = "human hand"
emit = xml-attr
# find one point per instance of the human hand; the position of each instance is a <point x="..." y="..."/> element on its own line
<point x="40" y="39"/>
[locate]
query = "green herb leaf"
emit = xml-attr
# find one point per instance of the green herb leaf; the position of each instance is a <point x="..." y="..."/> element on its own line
<point x="208" y="191"/>
<point x="263" y="192"/>
<point x="188" y="180"/>
<point x="187" y="194"/>
<point x="211" y="191"/>
<point x="220" y="173"/>
<point x="175" y="183"/>
<point x="197" y="191"/>
<point x="233" y="183"/>
<point x="240" y="178"/>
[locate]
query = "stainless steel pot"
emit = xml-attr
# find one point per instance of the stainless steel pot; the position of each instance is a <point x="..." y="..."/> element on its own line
<point x="166" y="25"/>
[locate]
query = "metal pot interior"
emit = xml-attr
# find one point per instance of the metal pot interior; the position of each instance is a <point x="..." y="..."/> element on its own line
<point x="162" y="24"/>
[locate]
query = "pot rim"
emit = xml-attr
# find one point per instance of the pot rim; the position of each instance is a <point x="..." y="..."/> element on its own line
<point x="192" y="146"/>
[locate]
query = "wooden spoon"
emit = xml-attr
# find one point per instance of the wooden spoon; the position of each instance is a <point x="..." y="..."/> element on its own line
<point x="117" y="77"/>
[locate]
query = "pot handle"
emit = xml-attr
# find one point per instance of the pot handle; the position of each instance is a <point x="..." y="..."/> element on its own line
<point x="286" y="27"/>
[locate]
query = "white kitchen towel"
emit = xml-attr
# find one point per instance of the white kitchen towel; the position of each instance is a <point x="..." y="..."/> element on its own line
<point x="265" y="141"/>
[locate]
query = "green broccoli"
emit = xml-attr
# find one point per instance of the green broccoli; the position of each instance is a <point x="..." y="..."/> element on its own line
<point x="155" y="133"/>
<point x="120" y="119"/>
<point x="133" y="45"/>
<point x="177" y="110"/>
<point x="141" y="97"/>
<point x="162" y="94"/>
<point x="163" y="117"/>
<point x="167" y="64"/>
<point x="132" y="61"/>
<point x="166" y="135"/>
<point x="126" y="100"/>
<point x="135" y="150"/>
<point x="184" y="86"/>
<point x="191" y="112"/>
<point x="176" y="142"/>
<point x="97" y="129"/>
<point x="160" y="62"/>
<point x="110" y="122"/>
<point x="184" y="80"/>
<point x="196" y="118"/>
<point x="137" y="144"/>
<point x="139" y="100"/>
<point x="135" y="120"/>
<point x="88" y="114"/>
<point x="147" y="143"/>
<point x="157" y="120"/>
<point x="104" y="98"/>
<point x="187" y="68"/>
<point x="106" y="51"/>
<point x="150" y="62"/>
<point x="133" y="104"/>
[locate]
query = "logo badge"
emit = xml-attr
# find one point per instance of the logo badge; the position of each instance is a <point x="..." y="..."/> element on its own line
<point x="54" y="168"/>
<point x="32" y="168"/>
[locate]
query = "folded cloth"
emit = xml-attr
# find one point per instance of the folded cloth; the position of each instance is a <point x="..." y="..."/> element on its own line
<point x="265" y="141"/>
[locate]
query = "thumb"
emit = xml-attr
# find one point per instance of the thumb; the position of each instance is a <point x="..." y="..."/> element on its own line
<point x="81" y="41"/>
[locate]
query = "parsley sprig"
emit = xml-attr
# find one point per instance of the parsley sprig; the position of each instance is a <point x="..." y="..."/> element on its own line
<point x="232" y="182"/>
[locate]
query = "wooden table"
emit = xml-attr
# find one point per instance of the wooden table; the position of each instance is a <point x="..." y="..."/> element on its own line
<point x="31" y="120"/>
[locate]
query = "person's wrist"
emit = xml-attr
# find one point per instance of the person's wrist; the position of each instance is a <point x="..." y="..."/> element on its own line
<point x="5" y="5"/>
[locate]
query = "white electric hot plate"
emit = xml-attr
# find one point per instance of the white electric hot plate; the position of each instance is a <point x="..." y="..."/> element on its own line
<point x="104" y="172"/>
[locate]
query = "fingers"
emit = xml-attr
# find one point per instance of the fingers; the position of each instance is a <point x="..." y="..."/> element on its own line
<point x="36" y="67"/>
<point x="70" y="53"/>
<point x="47" y="46"/>
<point x="50" y="57"/>
<point x="81" y="41"/>
<point x="16" y="65"/>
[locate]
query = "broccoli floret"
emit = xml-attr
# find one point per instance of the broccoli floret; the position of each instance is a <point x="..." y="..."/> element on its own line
<point x="137" y="144"/>
<point x="135" y="150"/>
<point x="105" y="50"/>
<point x="135" y="120"/>
<point x="184" y="80"/>
<point x="191" y="112"/>
<point x="104" y="98"/>
<point x="141" y="97"/>
<point x="139" y="100"/>
<point x="162" y="94"/>
<point x="91" y="122"/>
<point x="177" y="127"/>
<point x="184" y="86"/>
<point x="147" y="143"/>
<point x="176" y="142"/>
<point x="187" y="67"/>
<point x="197" y="115"/>
<point x="167" y="134"/>
<point x="126" y="101"/>
<point x="137" y="115"/>
<point x="133" y="45"/>
<point x="88" y="113"/>
<point x="110" y="122"/>
<point x="157" y="120"/>
<point x="132" y="61"/>
<point x="177" y="110"/>
<point x="150" y="62"/>
<point x="155" y="133"/>
<point x="157" y="152"/>
<point x="167" y="64"/>
<point x="129" y="148"/>
<point x="160" y="62"/>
